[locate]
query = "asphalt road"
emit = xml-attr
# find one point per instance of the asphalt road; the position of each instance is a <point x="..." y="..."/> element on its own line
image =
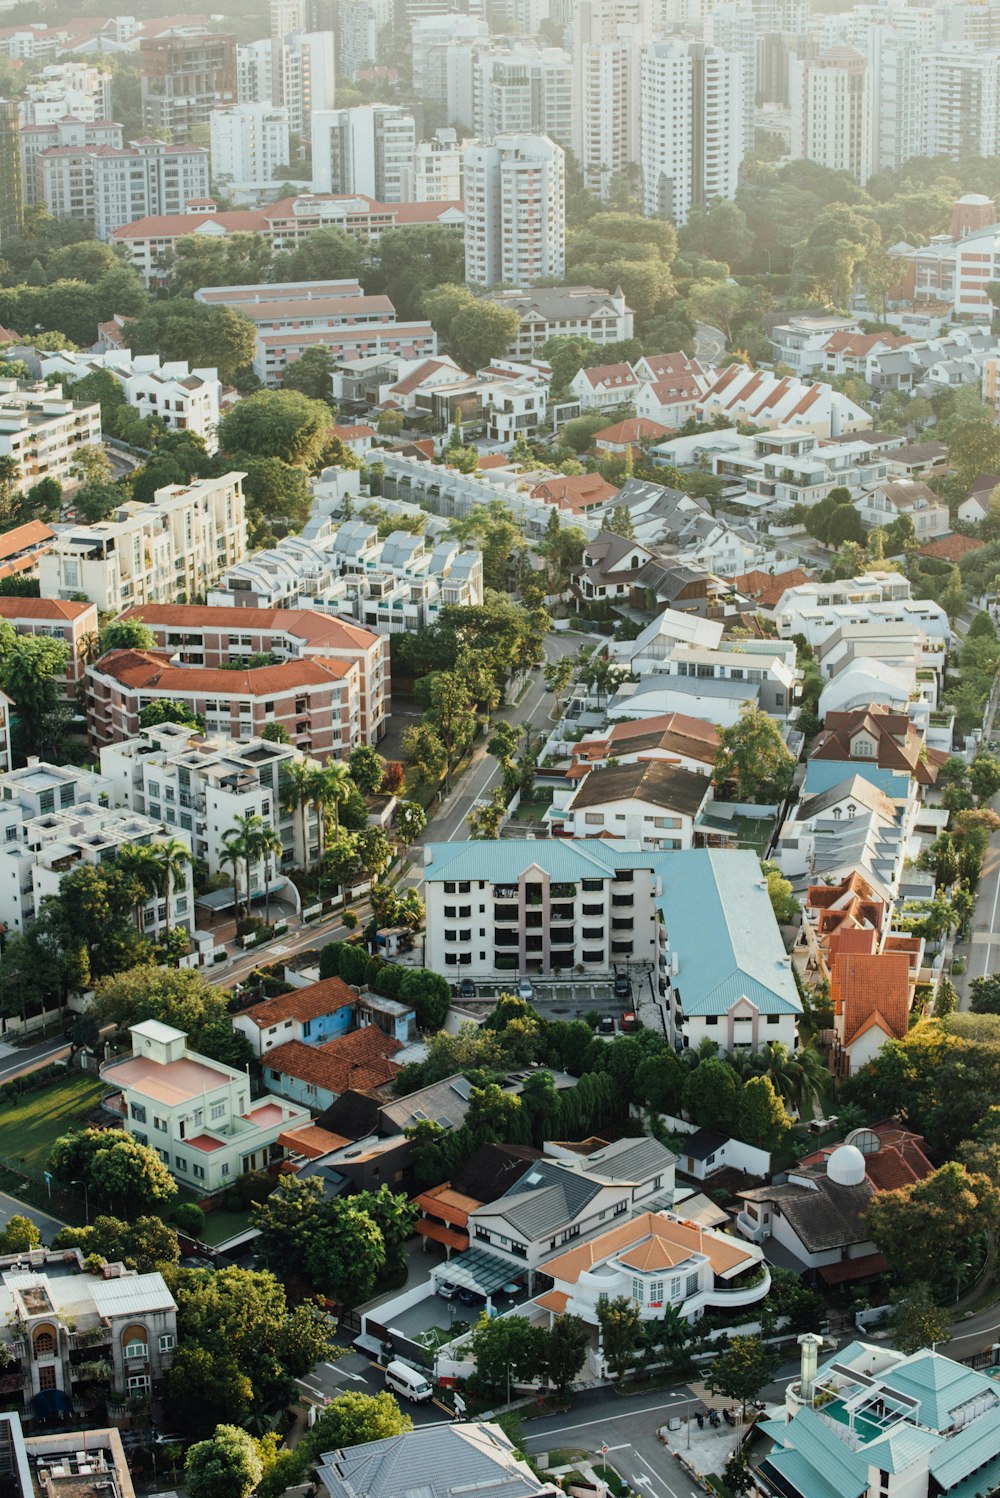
<point x="709" y="344"/>
<point x="11" y="1207"/>
<point x="627" y="1426"/>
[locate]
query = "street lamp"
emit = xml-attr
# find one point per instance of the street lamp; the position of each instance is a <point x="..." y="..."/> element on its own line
<point x="86" y="1198"/>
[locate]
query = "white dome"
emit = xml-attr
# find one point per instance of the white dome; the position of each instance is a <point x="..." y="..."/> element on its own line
<point x="846" y="1166"/>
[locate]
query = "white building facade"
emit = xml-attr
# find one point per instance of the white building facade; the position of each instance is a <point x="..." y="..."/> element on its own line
<point x="515" y="210"/>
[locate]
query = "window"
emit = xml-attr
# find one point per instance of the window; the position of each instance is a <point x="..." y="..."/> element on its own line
<point x="638" y="1291"/>
<point x="138" y="1112"/>
<point x="656" y="1292"/>
<point x="692" y="1285"/>
<point x="225" y="1170"/>
<point x="198" y="1171"/>
<point x="181" y="1163"/>
<point x="160" y="1123"/>
<point x="166" y="1341"/>
<point x="45" y="1344"/>
<point x="217" y="1110"/>
<point x="135" y="1349"/>
<point x="47" y="1377"/>
<point x="136" y="1382"/>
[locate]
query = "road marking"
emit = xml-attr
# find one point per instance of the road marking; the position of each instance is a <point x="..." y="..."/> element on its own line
<point x="655" y="1477"/>
<point x="606" y="1419"/>
<point x="993" y="922"/>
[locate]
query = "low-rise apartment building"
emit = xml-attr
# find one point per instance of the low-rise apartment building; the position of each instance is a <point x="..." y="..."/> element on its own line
<point x="60" y="1319"/>
<point x="653" y="804"/>
<point x="788" y="467"/>
<point x="203" y="784"/>
<point x="770" y="400"/>
<point x="22" y="547"/>
<point x="391" y="586"/>
<point x="42" y="431"/>
<point x="202" y="635"/>
<point x="565" y="312"/>
<point x="893" y="499"/>
<point x="184" y="399"/>
<point x="37" y="849"/>
<point x="197" y="1114"/>
<point x="316" y="701"/>
<point x="174" y="547"/>
<point x="55" y="619"/>
<point x="149" y="241"/>
<point x="699" y="922"/>
<point x="312" y="1015"/>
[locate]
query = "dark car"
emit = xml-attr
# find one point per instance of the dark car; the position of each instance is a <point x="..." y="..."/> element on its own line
<point x="606" y="1026"/>
<point x="466" y="989"/>
<point x="623" y="986"/>
<point x="469" y="1297"/>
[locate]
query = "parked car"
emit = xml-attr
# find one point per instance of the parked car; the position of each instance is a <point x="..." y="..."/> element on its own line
<point x="408" y="1381"/>
<point x="606" y="1026"/>
<point x="525" y="990"/>
<point x="466" y="989"/>
<point x="446" y="1291"/>
<point x="630" y="1022"/>
<point x="623" y="986"/>
<point x="469" y="1297"/>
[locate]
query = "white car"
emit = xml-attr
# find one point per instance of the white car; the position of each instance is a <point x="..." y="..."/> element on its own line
<point x="525" y="990"/>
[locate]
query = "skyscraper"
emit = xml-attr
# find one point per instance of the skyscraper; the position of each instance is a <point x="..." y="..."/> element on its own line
<point x="608" y="38"/>
<point x="11" y="191"/>
<point x="693" y="124"/>
<point x="831" y="111"/>
<point x="368" y="149"/>
<point x="515" y="210"/>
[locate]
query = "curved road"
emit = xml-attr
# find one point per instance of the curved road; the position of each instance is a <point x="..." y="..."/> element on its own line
<point x="709" y="344"/>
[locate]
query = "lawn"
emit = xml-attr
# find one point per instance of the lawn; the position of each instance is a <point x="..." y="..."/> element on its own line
<point x="221" y="1226"/>
<point x="30" y="1126"/>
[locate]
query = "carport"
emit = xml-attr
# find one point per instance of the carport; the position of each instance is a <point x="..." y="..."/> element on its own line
<point x="475" y="1270"/>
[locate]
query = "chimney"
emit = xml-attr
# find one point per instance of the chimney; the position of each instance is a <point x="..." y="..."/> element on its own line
<point x="810" y="1344"/>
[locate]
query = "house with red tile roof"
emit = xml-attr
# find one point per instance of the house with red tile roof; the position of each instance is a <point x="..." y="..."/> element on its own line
<point x="872" y="995"/>
<point x="676" y="738"/>
<point x="604" y="386"/>
<point x="311" y="1015"/>
<point x="576" y="492"/>
<point x="316" y="1075"/>
<point x="634" y="433"/>
<point x="878" y="735"/>
<point x="21" y="548"/>
<point x="767" y="589"/>
<point x="763" y="399"/>
<point x="55" y="618"/>
<point x="951" y="548"/>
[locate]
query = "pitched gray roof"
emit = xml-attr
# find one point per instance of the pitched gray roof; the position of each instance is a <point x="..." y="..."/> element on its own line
<point x="433" y="1461"/>
<point x="653" y="782"/>
<point x="629" y="1160"/>
<point x="546" y="1197"/>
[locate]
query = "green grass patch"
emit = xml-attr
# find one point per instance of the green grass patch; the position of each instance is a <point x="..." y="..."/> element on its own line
<point x="30" y="1126"/>
<point x="221" y="1226"/>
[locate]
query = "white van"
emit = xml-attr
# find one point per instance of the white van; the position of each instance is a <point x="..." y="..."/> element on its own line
<point x="408" y="1381"/>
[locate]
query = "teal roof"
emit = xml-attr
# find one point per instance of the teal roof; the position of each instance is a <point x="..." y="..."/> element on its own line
<point x="816" y="1462"/>
<point x="720" y="924"/>
<point x="900" y="1447"/>
<point x="714" y="904"/>
<point x="504" y="860"/>
<point x="962" y="1454"/>
<point x="823" y="774"/>
<point x="939" y="1385"/>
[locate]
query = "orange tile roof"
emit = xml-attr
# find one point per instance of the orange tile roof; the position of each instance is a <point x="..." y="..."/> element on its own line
<point x="436" y="1231"/>
<point x="305" y="624"/>
<point x="553" y="1300"/>
<point x="312" y="1141"/>
<point x="724" y="1254"/>
<point x="349" y="433"/>
<point x="765" y="589"/>
<point x="611" y="376"/>
<point x="302" y="1003"/>
<point x="869" y="989"/>
<point x="42" y="608"/>
<point x="34" y="533"/>
<point x="359" y="1060"/>
<point x="139" y="669"/>
<point x="633" y="429"/>
<point x="451" y="1206"/>
<point x="951" y="548"/>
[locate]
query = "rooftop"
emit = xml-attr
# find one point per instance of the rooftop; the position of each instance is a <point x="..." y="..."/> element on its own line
<point x="302" y="1004"/>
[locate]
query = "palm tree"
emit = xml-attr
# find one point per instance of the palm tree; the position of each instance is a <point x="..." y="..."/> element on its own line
<point x="296" y="795"/>
<point x="232" y="853"/>
<point x="173" y="857"/>
<point x="88" y="647"/>
<point x="246" y="836"/>
<point x="140" y="862"/>
<point x="268" y="845"/>
<point x="330" y="786"/>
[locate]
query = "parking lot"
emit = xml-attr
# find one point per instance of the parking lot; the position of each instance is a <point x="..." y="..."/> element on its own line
<point x="573" y="998"/>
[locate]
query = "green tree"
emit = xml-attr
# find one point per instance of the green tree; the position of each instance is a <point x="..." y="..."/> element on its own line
<point x="276" y="424"/>
<point x="620" y="523"/>
<point x="126" y="634"/>
<point x="367" y="769"/>
<point x="620" y="1322"/>
<point x="278" y="495"/>
<point x="410" y="262"/>
<point x="742" y="1368"/>
<point x="19" y="1235"/>
<point x="916" y="1321"/>
<point x="985" y="994"/>
<point x="311" y="373"/>
<point x="411" y="819"/>
<point x="31" y="671"/>
<point x="208" y="337"/>
<point x="225" y="1466"/>
<point x="566" y="1347"/>
<point x="783" y="902"/>
<point x="984" y="776"/>
<point x="477" y="331"/>
<point x="181" y="998"/>
<point x="933" y="1221"/>
<point x="753" y="754"/>
<point x="323" y="255"/>
<point x="115" y="1166"/>
<point x="234" y="260"/>
<point x="163" y="710"/>
<point x="762" y="1120"/>
<point x="946" y="999"/>
<point x="507" y="1350"/>
<point x="711" y="1095"/>
<point x="240" y="1348"/>
<point x="354" y="1419"/>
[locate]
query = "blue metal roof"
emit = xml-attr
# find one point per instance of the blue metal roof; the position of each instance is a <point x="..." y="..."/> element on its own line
<point x="939" y="1385"/>
<point x="900" y="1447"/>
<point x="816" y="1462"/>
<point x="719" y="922"/>
<point x="823" y="774"/>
